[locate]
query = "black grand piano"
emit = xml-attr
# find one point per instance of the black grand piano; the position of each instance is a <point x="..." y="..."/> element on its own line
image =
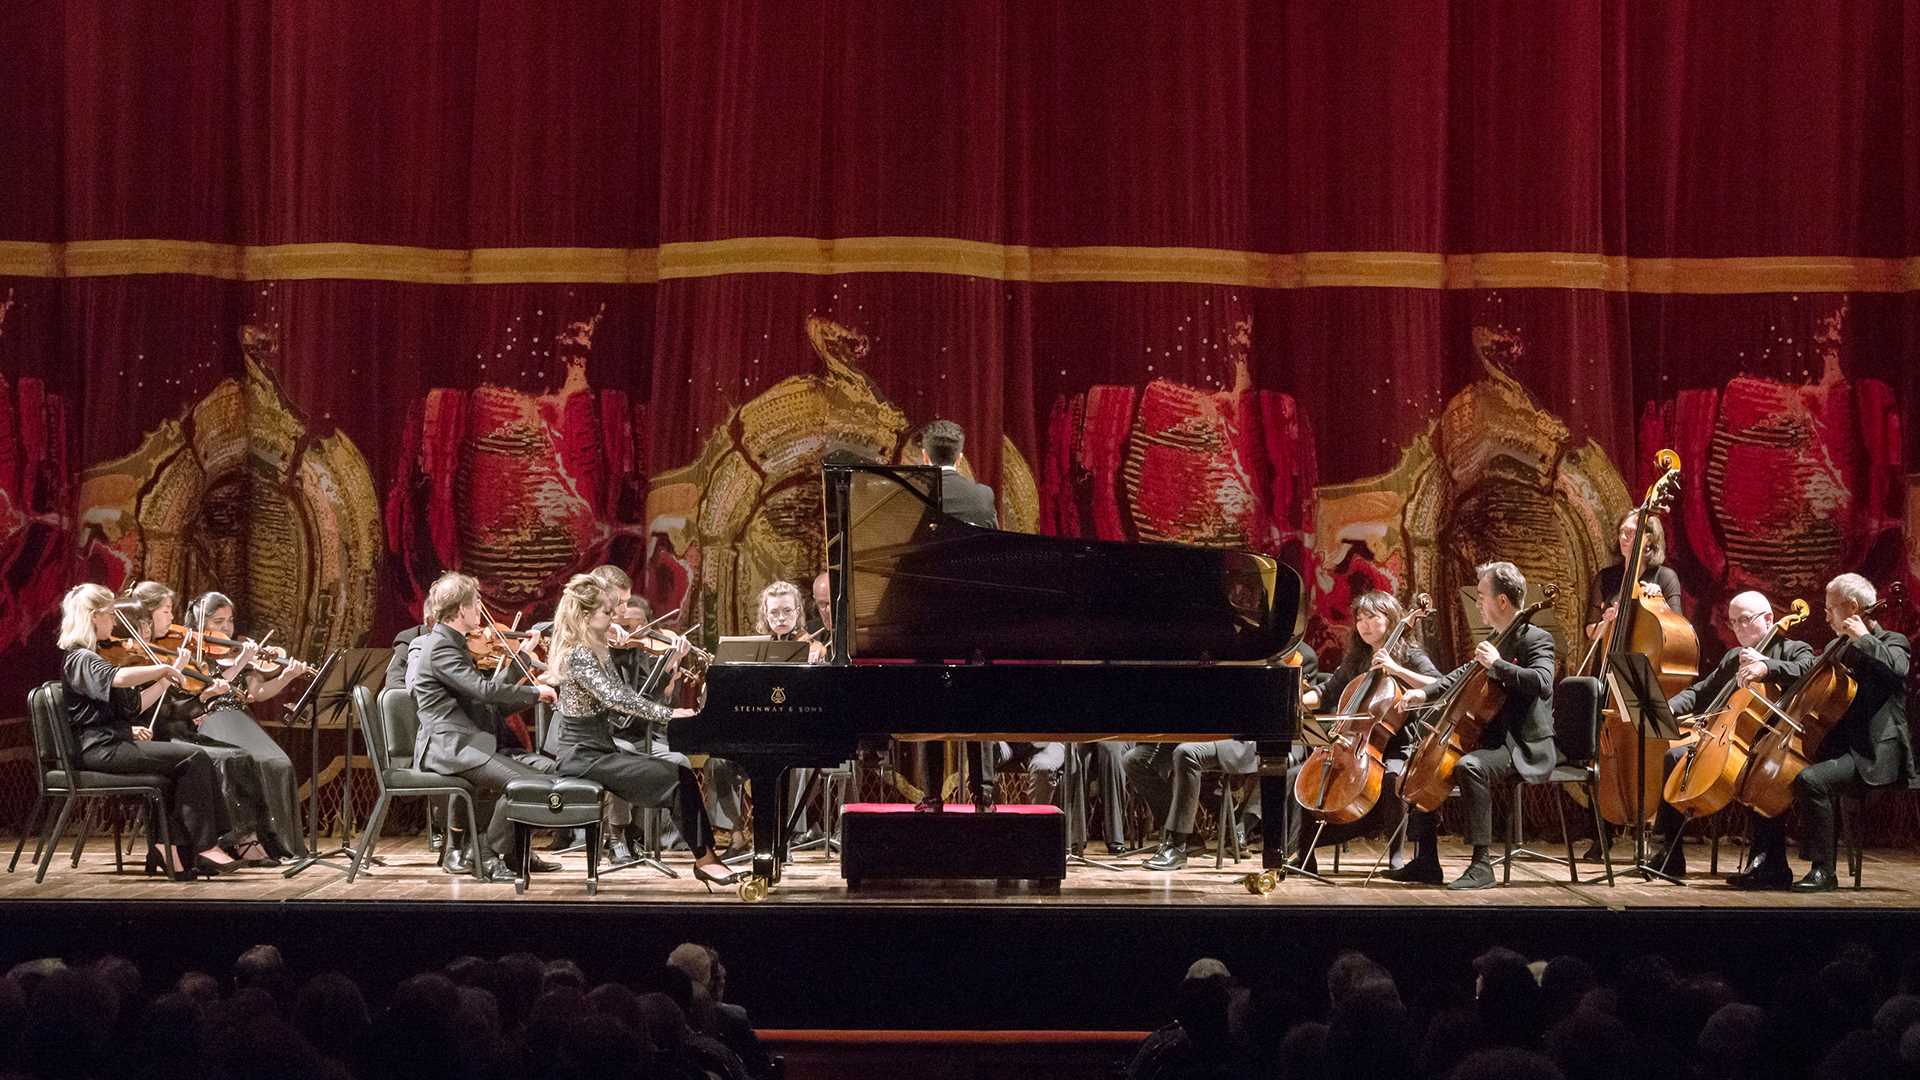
<point x="943" y="630"/>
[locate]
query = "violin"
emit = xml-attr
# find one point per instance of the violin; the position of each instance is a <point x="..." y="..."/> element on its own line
<point x="133" y="650"/>
<point x="490" y="645"/>
<point x="1342" y="780"/>
<point x="1631" y="766"/>
<point x="1708" y="777"/>
<point x="1464" y="712"/>
<point x="1805" y="715"/>
<point x="268" y="660"/>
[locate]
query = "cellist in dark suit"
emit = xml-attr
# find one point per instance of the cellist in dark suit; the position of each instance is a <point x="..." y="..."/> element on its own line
<point x="1519" y="740"/>
<point x="1869" y="747"/>
<point x="1750" y="614"/>
<point x="445" y="684"/>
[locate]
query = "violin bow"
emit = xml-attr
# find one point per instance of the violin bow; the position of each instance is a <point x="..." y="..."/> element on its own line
<point x="134" y="636"/>
<point x="512" y="655"/>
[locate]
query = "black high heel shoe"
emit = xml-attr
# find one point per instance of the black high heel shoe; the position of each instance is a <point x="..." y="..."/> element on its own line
<point x="710" y="879"/>
<point x="206" y="867"/>
<point x="253" y="853"/>
<point x="157" y="864"/>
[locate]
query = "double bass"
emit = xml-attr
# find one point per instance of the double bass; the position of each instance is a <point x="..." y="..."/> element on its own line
<point x="1708" y="776"/>
<point x="1342" y="780"/>
<point x="1464" y="715"/>
<point x="1631" y="767"/>
<point x="1801" y="720"/>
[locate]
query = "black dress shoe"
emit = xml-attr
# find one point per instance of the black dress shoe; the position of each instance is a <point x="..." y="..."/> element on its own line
<point x="1171" y="856"/>
<point x="436" y="841"/>
<point x="1117" y="847"/>
<point x="1671" y="861"/>
<point x="1819" y="879"/>
<point x="1764" y="872"/>
<point x="1310" y="864"/>
<point x="1478" y="875"/>
<point x="498" y="872"/>
<point x="542" y="866"/>
<point x="1418" y="872"/>
<point x="457" y="860"/>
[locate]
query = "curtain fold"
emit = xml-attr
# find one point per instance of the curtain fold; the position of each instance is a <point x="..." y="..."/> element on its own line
<point x="610" y="224"/>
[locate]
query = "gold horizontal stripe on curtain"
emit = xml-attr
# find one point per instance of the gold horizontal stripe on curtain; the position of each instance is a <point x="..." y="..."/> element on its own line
<point x="967" y="258"/>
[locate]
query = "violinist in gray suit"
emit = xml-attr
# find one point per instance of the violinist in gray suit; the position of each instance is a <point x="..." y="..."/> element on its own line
<point x="445" y="685"/>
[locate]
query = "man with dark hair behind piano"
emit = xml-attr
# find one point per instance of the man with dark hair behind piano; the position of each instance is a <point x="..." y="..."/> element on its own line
<point x="941" y="444"/>
<point x="1167" y="775"/>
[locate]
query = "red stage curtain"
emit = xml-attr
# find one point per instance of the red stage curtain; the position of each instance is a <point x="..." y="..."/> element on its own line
<point x="1103" y="196"/>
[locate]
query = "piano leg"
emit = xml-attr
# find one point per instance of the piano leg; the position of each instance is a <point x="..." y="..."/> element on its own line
<point x="1275" y="804"/>
<point x="769" y="820"/>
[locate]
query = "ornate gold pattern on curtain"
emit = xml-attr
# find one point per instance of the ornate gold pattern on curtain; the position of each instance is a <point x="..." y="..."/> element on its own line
<point x="965" y="258"/>
<point x="1492" y="478"/>
<point x="746" y="511"/>
<point x="243" y="498"/>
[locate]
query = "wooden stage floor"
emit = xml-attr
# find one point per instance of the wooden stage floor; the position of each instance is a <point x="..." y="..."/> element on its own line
<point x="937" y="955"/>
<point x="1891" y="881"/>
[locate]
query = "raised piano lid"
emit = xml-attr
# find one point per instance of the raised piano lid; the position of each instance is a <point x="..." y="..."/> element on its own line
<point x="912" y="583"/>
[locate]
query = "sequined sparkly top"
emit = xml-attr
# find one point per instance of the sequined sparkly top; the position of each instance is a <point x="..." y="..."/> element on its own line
<point x="591" y="688"/>
<point x="593" y="701"/>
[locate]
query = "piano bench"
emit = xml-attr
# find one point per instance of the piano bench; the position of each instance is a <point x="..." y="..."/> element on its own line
<point x="559" y="802"/>
<point x="892" y="842"/>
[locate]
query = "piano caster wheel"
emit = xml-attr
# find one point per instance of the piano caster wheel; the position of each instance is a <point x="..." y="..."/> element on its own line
<point x="754" y="889"/>
<point x="1262" y="883"/>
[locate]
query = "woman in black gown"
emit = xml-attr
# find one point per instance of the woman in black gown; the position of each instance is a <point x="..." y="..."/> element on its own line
<point x="256" y="774"/>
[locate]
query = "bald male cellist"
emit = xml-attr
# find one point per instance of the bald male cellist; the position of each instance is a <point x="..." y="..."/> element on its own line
<point x="1750" y="614"/>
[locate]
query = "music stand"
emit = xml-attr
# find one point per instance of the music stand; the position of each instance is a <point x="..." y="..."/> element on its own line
<point x="329" y="695"/>
<point x="759" y="650"/>
<point x="1631" y="677"/>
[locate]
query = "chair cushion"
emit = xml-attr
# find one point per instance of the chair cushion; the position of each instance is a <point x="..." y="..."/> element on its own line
<point x="562" y="802"/>
<point x="420" y="780"/>
<point x="86" y="778"/>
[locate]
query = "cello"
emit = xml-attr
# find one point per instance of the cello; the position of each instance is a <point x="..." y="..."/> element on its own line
<point x="1341" y="781"/>
<point x="1631" y="767"/>
<point x="1708" y="777"/>
<point x="1801" y="720"/>
<point x="1464" y="715"/>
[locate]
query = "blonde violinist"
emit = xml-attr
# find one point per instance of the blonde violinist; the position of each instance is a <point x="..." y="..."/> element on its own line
<point x="107" y="707"/>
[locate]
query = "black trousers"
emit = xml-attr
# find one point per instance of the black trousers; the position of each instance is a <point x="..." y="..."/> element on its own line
<point x="1816" y="793"/>
<point x="489" y="783"/>
<point x="197" y="811"/>
<point x="1476" y="774"/>
<point x="1168" y="776"/>
<point x="649" y="781"/>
